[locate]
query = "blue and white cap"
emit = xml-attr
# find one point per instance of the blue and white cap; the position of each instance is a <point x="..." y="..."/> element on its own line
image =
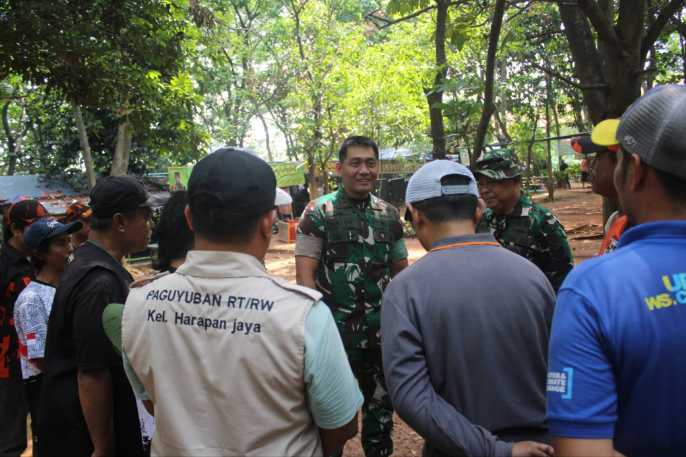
<point x="428" y="181"/>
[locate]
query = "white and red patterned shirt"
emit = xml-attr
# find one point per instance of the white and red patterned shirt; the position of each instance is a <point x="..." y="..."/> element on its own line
<point x="31" y="313"/>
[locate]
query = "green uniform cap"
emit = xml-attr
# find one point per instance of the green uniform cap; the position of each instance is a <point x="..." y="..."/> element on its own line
<point x="498" y="164"/>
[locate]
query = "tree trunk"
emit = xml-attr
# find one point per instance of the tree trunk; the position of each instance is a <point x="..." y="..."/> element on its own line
<point x="270" y="156"/>
<point x="556" y="118"/>
<point x="85" y="146"/>
<point x="530" y="149"/>
<point x="550" y="182"/>
<point x="434" y="96"/>
<point x="122" y="150"/>
<point x="588" y="67"/>
<point x="578" y="110"/>
<point x="502" y="127"/>
<point x="11" y="150"/>
<point x="489" y="107"/>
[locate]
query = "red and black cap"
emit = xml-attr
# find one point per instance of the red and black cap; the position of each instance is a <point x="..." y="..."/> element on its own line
<point x="77" y="211"/>
<point x="26" y="212"/>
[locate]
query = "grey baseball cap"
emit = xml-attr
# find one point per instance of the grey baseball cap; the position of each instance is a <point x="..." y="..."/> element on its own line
<point x="427" y="183"/>
<point x="654" y="128"/>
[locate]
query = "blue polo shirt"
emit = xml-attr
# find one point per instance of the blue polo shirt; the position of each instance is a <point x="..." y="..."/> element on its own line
<point x="617" y="365"/>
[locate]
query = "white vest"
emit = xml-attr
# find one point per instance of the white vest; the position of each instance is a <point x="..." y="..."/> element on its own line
<point x="219" y="346"/>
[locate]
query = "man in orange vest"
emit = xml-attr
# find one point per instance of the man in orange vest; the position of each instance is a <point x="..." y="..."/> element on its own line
<point x="602" y="148"/>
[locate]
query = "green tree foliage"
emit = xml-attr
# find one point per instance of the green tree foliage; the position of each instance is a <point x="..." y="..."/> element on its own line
<point x="156" y="82"/>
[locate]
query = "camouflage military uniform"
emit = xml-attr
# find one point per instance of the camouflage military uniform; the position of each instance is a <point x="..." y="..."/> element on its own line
<point x="533" y="232"/>
<point x="355" y="243"/>
<point x="530" y="230"/>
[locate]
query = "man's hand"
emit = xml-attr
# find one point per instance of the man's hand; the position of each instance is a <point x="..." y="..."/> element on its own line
<point x="532" y="449"/>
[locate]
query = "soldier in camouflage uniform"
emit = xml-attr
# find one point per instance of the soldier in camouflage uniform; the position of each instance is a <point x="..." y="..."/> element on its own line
<point x="518" y="224"/>
<point x="349" y="245"/>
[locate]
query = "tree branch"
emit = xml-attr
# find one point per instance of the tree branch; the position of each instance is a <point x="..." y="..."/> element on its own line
<point x="388" y="22"/>
<point x="489" y="106"/>
<point x="599" y="20"/>
<point x="663" y="17"/>
<point x="565" y="79"/>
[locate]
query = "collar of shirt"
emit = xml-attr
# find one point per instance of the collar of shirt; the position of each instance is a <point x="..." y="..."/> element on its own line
<point x="221" y="264"/>
<point x="344" y="200"/>
<point x="471" y="238"/>
<point x="523" y="202"/>
<point x="99" y="251"/>
<point x="654" y="230"/>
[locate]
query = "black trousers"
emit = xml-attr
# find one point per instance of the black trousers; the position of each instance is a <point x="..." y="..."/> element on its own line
<point x="33" y="387"/>
<point x="13" y="413"/>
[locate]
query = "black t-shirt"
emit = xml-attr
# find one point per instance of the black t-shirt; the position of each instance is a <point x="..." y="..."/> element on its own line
<point x="15" y="274"/>
<point x="77" y="341"/>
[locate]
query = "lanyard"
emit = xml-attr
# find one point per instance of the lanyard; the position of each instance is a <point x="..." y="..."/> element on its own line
<point x="465" y="244"/>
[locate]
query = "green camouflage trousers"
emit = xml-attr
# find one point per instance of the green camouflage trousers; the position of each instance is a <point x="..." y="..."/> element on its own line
<point x="377" y="412"/>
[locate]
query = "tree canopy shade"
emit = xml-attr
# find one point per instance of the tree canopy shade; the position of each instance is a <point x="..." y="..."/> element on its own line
<point x="126" y="56"/>
<point x="139" y="85"/>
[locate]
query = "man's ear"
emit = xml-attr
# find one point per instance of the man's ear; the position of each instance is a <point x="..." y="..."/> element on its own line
<point x="637" y="173"/>
<point x="417" y="217"/>
<point x="265" y="225"/>
<point x="339" y="167"/>
<point x="118" y="222"/>
<point x="189" y="217"/>
<point x="480" y="208"/>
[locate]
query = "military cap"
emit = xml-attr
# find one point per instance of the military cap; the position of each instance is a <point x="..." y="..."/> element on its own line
<point x="498" y="164"/>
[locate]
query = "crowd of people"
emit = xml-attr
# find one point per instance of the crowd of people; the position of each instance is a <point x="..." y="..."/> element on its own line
<point x="492" y="344"/>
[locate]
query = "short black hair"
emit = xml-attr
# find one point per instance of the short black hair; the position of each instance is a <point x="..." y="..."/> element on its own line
<point x="216" y="223"/>
<point x="103" y="224"/>
<point x="674" y="186"/>
<point x="449" y="207"/>
<point x="174" y="235"/>
<point x="357" y="140"/>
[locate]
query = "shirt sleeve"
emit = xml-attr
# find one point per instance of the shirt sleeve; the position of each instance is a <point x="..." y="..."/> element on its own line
<point x="333" y="394"/>
<point x="136" y="384"/>
<point x="34" y="327"/>
<point x="309" y="239"/>
<point x="412" y="394"/>
<point x="398" y="251"/>
<point x="557" y="260"/>
<point x="93" y="349"/>
<point x="582" y="397"/>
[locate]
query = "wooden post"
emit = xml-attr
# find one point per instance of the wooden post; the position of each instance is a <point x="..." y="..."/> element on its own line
<point x="550" y="181"/>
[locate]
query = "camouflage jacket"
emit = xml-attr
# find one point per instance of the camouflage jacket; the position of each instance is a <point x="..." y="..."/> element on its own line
<point x="356" y="242"/>
<point x="533" y="232"/>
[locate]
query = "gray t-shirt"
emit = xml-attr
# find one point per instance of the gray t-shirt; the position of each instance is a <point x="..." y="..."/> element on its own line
<point x="465" y="340"/>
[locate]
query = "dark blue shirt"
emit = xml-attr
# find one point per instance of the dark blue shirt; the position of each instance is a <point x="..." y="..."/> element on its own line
<point x="618" y="346"/>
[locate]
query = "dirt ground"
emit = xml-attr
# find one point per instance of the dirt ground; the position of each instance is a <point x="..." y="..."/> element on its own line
<point x="579" y="211"/>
